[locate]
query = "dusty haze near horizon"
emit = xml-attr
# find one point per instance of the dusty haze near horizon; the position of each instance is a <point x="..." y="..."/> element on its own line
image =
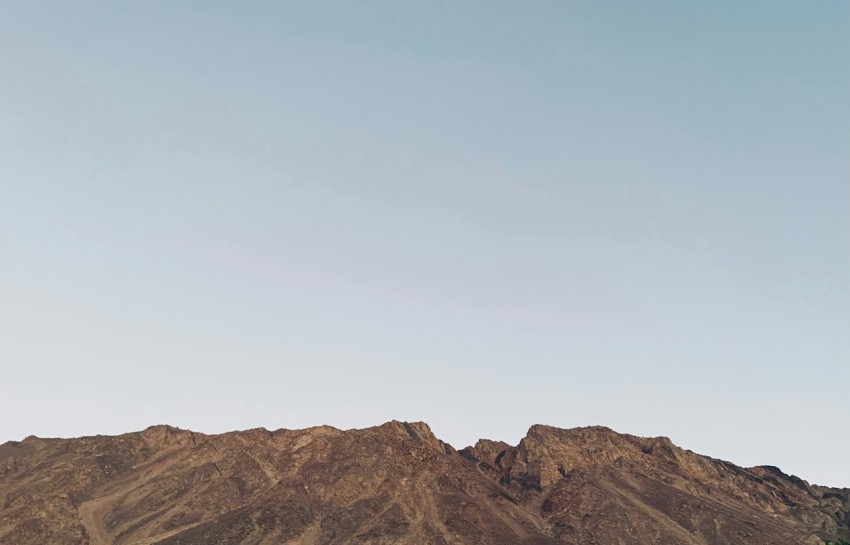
<point x="479" y="215"/>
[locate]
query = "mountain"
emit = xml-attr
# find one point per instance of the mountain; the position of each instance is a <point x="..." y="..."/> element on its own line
<point x="398" y="483"/>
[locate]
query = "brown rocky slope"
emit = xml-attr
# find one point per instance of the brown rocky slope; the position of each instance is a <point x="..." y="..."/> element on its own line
<point x="398" y="483"/>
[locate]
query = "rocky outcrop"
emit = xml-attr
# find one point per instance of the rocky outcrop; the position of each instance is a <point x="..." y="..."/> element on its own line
<point x="398" y="483"/>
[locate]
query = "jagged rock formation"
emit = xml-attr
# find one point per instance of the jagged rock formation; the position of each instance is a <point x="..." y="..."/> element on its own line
<point x="398" y="483"/>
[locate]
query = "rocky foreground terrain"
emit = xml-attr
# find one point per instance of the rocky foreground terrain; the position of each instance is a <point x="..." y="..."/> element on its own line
<point x="398" y="483"/>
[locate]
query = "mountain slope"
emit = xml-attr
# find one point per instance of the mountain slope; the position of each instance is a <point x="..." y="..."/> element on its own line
<point x="398" y="483"/>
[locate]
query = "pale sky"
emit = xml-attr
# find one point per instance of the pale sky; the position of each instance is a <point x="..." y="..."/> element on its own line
<point x="483" y="215"/>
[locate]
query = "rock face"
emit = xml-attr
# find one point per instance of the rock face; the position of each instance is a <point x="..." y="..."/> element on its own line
<point x="398" y="483"/>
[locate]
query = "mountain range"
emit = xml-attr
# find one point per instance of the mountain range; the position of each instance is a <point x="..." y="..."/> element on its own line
<point x="399" y="483"/>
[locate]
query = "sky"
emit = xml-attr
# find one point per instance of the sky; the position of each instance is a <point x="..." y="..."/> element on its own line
<point x="483" y="215"/>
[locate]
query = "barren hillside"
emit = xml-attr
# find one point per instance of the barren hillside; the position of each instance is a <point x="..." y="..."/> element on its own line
<point x="398" y="483"/>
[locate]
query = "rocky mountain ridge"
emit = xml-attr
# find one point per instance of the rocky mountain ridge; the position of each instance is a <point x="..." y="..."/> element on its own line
<point x="398" y="483"/>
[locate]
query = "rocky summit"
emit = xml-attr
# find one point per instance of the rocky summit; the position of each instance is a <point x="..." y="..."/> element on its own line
<point x="398" y="483"/>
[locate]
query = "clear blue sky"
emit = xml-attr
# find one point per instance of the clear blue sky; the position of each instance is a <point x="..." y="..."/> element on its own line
<point x="482" y="215"/>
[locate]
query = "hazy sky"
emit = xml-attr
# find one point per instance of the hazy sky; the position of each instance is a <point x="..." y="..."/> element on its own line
<point x="481" y="215"/>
